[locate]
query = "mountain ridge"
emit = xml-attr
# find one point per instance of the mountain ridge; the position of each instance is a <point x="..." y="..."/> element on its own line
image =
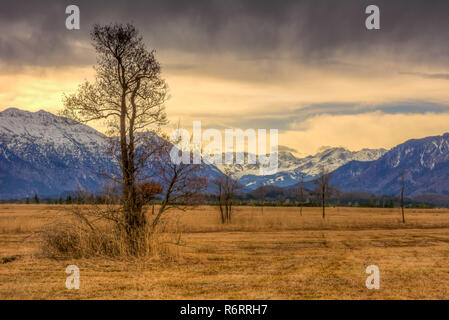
<point x="424" y="163"/>
<point x="50" y="155"/>
<point x="291" y="168"/>
<point x="45" y="154"/>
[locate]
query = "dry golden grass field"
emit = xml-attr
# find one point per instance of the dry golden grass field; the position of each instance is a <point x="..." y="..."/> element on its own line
<point x="276" y="254"/>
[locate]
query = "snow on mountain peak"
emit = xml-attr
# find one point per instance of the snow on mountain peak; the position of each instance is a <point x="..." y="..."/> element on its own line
<point x="47" y="128"/>
<point x="291" y="168"/>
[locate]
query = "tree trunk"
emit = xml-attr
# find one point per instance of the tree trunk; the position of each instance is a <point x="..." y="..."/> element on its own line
<point x="402" y="205"/>
<point x="222" y="214"/>
<point x="324" y="207"/>
<point x="135" y="221"/>
<point x="402" y="197"/>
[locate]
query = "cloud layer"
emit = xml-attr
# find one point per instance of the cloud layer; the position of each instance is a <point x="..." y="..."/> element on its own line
<point x="292" y="65"/>
<point x="310" y="30"/>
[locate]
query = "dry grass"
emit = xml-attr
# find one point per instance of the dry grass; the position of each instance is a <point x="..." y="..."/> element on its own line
<point x="274" y="255"/>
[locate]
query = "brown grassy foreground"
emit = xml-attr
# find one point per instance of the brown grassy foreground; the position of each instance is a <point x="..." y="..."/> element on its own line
<point x="274" y="255"/>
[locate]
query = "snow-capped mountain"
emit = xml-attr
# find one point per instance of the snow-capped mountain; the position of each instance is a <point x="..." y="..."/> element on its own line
<point x="46" y="154"/>
<point x="290" y="168"/>
<point x="50" y="155"/>
<point x="424" y="163"/>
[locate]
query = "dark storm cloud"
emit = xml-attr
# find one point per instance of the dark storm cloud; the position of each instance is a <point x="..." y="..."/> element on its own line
<point x="33" y="32"/>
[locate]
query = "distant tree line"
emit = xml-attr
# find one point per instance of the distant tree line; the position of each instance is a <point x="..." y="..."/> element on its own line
<point x="264" y="196"/>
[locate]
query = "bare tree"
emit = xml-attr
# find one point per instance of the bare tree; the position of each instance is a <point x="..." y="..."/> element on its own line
<point x="301" y="193"/>
<point x="323" y="188"/>
<point x="175" y="186"/>
<point x="402" y="194"/>
<point x="261" y="192"/>
<point x="128" y="94"/>
<point x="227" y="188"/>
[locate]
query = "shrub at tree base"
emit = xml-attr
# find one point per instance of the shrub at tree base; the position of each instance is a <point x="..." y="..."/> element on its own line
<point x="81" y="236"/>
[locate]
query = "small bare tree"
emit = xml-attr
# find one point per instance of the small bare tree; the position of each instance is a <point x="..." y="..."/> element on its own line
<point x="301" y="193"/>
<point x="261" y="192"/>
<point x="227" y="187"/>
<point x="402" y="194"/>
<point x="323" y="188"/>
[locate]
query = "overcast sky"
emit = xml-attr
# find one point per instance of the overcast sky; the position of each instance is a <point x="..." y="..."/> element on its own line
<point x="307" y="68"/>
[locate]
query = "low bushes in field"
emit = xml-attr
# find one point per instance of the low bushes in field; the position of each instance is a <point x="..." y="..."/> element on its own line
<point x="89" y="232"/>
